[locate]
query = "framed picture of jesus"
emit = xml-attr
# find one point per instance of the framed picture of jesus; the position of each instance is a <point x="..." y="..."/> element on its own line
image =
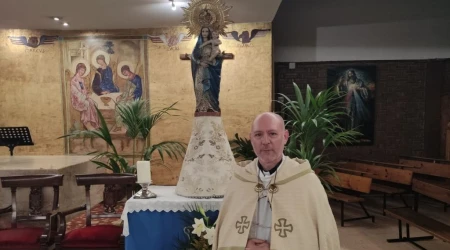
<point x="356" y="87"/>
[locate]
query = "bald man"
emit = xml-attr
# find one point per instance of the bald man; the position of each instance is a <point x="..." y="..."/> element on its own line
<point x="275" y="202"/>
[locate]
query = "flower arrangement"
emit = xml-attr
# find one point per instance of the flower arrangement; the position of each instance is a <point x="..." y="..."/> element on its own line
<point x="201" y="233"/>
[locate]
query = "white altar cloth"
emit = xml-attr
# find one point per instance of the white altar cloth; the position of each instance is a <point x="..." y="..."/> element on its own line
<point x="166" y="201"/>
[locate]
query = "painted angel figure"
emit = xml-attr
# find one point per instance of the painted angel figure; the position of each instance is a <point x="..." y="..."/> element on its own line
<point x="81" y="100"/>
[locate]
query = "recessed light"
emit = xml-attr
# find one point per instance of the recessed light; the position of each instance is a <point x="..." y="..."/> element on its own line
<point x="65" y="24"/>
<point x="56" y="18"/>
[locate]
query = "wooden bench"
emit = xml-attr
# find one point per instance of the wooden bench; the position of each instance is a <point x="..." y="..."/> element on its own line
<point x="421" y="221"/>
<point x="435" y="168"/>
<point x="382" y="172"/>
<point x="354" y="183"/>
<point x="426" y="166"/>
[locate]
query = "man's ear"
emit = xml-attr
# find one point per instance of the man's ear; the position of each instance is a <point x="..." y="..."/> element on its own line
<point x="286" y="136"/>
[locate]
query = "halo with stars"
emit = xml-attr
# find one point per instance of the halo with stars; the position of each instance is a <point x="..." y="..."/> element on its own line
<point x="206" y="13"/>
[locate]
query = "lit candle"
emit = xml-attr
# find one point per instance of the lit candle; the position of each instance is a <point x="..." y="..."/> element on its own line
<point x="143" y="172"/>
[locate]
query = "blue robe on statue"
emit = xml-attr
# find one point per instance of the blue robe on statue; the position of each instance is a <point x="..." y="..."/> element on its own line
<point x="206" y="79"/>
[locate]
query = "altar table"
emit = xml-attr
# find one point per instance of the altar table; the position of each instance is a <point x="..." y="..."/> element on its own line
<point x="70" y="194"/>
<point x="158" y="224"/>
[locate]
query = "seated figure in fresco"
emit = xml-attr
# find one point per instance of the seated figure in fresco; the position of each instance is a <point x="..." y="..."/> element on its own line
<point x="103" y="81"/>
<point x="132" y="91"/>
<point x="81" y="100"/>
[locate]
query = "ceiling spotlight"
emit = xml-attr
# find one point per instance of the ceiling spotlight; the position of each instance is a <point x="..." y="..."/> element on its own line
<point x="65" y="24"/>
<point x="173" y="6"/>
<point x="56" y="18"/>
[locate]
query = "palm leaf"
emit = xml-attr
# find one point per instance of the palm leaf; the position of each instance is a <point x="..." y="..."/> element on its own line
<point x="173" y="149"/>
<point x="313" y="120"/>
<point x="139" y="121"/>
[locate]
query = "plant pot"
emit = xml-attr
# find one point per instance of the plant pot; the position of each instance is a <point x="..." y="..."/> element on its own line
<point x="111" y="195"/>
<point x="120" y="192"/>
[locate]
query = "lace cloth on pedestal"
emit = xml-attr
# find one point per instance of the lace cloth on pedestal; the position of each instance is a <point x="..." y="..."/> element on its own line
<point x="207" y="166"/>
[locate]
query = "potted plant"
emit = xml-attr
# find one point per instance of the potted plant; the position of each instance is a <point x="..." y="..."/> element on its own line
<point x="313" y="123"/>
<point x="139" y="121"/>
<point x="242" y="148"/>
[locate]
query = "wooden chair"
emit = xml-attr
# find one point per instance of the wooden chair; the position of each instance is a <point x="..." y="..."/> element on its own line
<point x="5" y="210"/>
<point x="31" y="237"/>
<point x="99" y="236"/>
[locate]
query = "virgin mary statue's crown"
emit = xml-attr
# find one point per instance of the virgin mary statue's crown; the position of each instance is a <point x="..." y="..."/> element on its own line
<point x="206" y="13"/>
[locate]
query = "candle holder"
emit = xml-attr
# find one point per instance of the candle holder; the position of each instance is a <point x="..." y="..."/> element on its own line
<point x="145" y="193"/>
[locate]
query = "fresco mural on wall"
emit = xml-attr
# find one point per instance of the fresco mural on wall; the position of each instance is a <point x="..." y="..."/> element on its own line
<point x="356" y="85"/>
<point x="102" y="73"/>
<point x="170" y="37"/>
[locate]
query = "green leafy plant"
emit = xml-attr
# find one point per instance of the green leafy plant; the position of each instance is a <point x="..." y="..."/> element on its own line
<point x="242" y="147"/>
<point x="135" y="115"/>
<point x="313" y="122"/>
<point x="139" y="121"/>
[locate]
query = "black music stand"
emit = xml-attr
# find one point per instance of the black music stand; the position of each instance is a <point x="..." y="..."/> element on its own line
<point x="15" y="136"/>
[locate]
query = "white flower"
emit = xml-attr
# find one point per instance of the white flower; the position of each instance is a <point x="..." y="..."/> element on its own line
<point x="210" y="235"/>
<point x="199" y="227"/>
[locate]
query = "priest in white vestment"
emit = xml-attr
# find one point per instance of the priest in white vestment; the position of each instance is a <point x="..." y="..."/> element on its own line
<point x="275" y="202"/>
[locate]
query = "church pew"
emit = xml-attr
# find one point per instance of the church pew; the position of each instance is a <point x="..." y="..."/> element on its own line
<point x="433" y="189"/>
<point x="427" y="166"/>
<point x="354" y="183"/>
<point x="381" y="172"/>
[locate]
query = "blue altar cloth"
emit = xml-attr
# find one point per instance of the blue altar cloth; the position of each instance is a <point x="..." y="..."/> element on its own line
<point x="160" y="230"/>
<point x="159" y="224"/>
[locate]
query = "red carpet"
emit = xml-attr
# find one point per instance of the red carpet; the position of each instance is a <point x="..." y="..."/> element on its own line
<point x="80" y="220"/>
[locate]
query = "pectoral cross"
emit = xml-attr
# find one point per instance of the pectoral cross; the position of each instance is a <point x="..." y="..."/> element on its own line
<point x="225" y="56"/>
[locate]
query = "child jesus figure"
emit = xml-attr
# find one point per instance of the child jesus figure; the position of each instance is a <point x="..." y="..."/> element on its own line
<point x="215" y="42"/>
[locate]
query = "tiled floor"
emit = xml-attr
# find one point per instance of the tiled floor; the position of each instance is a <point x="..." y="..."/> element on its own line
<point x="365" y="235"/>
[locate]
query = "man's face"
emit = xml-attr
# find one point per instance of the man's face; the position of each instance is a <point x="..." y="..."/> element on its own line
<point x="268" y="138"/>
<point x="350" y="74"/>
<point x="126" y="73"/>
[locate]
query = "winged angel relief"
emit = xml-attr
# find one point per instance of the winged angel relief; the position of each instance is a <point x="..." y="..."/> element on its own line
<point x="246" y="37"/>
<point x="32" y="41"/>
<point x="170" y="40"/>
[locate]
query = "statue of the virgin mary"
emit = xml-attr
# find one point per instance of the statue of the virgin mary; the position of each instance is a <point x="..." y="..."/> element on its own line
<point x="207" y="166"/>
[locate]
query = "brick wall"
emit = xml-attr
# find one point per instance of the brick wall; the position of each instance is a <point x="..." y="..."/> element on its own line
<point x="445" y="110"/>
<point x="400" y="104"/>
